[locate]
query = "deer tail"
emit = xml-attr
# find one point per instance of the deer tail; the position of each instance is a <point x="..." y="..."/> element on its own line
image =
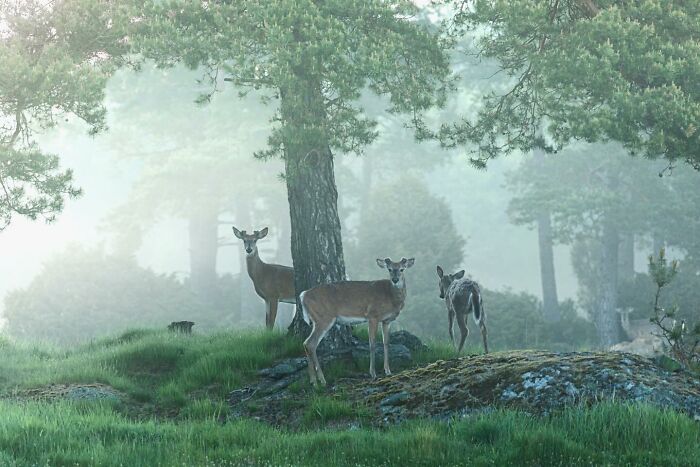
<point x="475" y="298"/>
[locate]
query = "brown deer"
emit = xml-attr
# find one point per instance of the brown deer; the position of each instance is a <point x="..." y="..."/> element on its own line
<point x="462" y="297"/>
<point x="272" y="282"/>
<point x="352" y="302"/>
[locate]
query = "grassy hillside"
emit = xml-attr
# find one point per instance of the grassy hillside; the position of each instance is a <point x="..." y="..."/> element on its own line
<point x="171" y="408"/>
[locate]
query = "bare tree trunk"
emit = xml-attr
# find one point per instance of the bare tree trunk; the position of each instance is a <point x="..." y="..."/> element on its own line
<point x="317" y="249"/>
<point x="550" y="301"/>
<point x="608" y="321"/>
<point x="204" y="246"/>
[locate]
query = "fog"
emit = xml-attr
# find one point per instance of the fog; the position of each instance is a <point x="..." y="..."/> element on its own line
<point x="177" y="168"/>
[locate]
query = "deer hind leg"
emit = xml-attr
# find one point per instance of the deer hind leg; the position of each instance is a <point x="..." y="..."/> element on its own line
<point x="484" y="332"/>
<point x="310" y="344"/>
<point x="373" y="325"/>
<point x="451" y="324"/>
<point x="385" y="341"/>
<point x="463" y="329"/>
<point x="272" y="313"/>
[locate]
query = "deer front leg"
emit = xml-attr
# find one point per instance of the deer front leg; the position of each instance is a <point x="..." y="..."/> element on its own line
<point x="385" y="341"/>
<point x="373" y="325"/>
<point x="272" y="314"/>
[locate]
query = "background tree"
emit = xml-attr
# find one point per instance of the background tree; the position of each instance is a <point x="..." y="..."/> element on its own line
<point x="317" y="57"/>
<point x="196" y="163"/>
<point x="597" y="197"/>
<point x="592" y="70"/>
<point x="53" y="65"/>
<point x="422" y="228"/>
<point x="84" y="293"/>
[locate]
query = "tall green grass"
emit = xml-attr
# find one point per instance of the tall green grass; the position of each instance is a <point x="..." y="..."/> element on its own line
<point x="70" y="434"/>
<point x="150" y="366"/>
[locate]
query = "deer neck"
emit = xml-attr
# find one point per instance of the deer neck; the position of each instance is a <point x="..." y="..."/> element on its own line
<point x="398" y="293"/>
<point x="254" y="264"/>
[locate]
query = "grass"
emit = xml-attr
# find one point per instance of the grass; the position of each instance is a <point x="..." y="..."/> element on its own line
<point x="70" y="434"/>
<point x="166" y="369"/>
<point x="190" y="377"/>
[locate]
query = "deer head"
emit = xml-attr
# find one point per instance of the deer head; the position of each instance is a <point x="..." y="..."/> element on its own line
<point x="250" y="240"/>
<point x="396" y="269"/>
<point x="446" y="279"/>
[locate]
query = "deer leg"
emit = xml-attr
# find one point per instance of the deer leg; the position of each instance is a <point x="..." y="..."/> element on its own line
<point x="385" y="341"/>
<point x="463" y="329"/>
<point x="310" y="345"/>
<point x="267" y="314"/>
<point x="451" y="321"/>
<point x="484" y="332"/>
<point x="373" y="325"/>
<point x="272" y="313"/>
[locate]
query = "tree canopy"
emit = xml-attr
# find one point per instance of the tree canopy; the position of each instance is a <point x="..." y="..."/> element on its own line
<point x="592" y="70"/>
<point x="55" y="58"/>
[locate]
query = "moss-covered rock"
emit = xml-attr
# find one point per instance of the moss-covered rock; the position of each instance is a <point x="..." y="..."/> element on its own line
<point x="534" y="381"/>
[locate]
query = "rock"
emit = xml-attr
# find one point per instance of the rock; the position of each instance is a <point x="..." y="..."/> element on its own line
<point x="408" y="340"/>
<point x="91" y="393"/>
<point x="533" y="381"/>
<point x="284" y="368"/>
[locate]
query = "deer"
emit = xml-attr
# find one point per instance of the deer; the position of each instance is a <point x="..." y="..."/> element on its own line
<point x="354" y="302"/>
<point x="273" y="283"/>
<point x="462" y="296"/>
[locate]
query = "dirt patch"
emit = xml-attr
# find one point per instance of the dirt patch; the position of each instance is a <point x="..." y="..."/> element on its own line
<point x="75" y="392"/>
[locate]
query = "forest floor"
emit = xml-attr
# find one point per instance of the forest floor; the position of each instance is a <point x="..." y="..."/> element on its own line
<point x="157" y="398"/>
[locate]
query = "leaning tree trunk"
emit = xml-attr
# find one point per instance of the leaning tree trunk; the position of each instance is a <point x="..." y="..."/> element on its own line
<point x="317" y="249"/>
<point x="204" y="246"/>
<point x="608" y="321"/>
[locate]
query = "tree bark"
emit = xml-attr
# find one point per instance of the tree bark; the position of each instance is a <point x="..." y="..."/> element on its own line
<point x="608" y="321"/>
<point x="316" y="244"/>
<point x="204" y="246"/>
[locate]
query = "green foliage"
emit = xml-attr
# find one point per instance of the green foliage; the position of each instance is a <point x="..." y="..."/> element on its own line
<point x="589" y="70"/>
<point x="516" y="321"/>
<point x="682" y="340"/>
<point x="405" y="220"/>
<point x="316" y="55"/>
<point x="82" y="294"/>
<point x="55" y="58"/>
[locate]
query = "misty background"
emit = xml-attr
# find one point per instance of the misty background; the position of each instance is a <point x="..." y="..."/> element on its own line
<point x="150" y="239"/>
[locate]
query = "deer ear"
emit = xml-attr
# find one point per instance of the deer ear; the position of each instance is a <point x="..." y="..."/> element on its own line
<point x="381" y="263"/>
<point x="459" y="274"/>
<point x="440" y="272"/>
<point x="237" y="233"/>
<point x="408" y="262"/>
<point x="262" y="233"/>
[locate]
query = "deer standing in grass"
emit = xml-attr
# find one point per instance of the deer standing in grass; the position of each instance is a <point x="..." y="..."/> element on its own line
<point x="352" y="302"/>
<point x="272" y="282"/>
<point x="462" y="297"/>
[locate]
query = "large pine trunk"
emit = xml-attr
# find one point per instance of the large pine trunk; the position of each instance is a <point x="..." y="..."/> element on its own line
<point x="608" y="320"/>
<point x="316" y="245"/>
<point x="204" y="246"/>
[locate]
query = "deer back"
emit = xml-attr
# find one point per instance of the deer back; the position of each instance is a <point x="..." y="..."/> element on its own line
<point x="362" y="300"/>
<point x="458" y="294"/>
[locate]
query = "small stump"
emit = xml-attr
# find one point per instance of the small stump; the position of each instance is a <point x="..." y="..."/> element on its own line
<point x="184" y="327"/>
